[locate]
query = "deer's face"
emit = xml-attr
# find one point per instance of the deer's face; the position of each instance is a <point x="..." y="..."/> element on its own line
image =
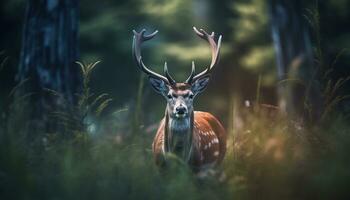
<point x="179" y="96"/>
<point x="179" y="102"/>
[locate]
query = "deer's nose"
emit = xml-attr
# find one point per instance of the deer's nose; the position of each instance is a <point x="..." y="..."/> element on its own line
<point x="180" y="110"/>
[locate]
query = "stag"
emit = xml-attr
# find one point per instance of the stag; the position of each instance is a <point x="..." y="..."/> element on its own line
<point x="198" y="138"/>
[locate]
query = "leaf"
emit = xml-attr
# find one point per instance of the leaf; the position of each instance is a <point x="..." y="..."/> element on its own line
<point x="57" y="94"/>
<point x="4" y="61"/>
<point x="82" y="67"/>
<point x="18" y="86"/>
<point x="22" y="98"/>
<point x="93" y="65"/>
<point x="102" y="106"/>
<point x="120" y="110"/>
<point x="98" y="99"/>
<point x="298" y="81"/>
<point x="328" y="72"/>
<point x="338" y="56"/>
<point x="332" y="104"/>
<point x="339" y="84"/>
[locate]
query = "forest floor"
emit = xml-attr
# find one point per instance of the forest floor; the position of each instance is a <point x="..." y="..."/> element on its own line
<point x="264" y="161"/>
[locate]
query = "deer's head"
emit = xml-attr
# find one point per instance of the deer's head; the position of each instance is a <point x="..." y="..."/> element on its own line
<point x="179" y="96"/>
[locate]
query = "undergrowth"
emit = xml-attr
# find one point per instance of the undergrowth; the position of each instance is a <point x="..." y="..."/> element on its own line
<point x="269" y="159"/>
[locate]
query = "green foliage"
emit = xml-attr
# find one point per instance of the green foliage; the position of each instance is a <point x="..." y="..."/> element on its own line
<point x="251" y="35"/>
<point x="323" y="74"/>
<point x="267" y="158"/>
<point x="81" y="119"/>
<point x="331" y="96"/>
<point x="86" y="104"/>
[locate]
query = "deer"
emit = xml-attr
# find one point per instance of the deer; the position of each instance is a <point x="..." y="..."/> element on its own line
<point x="197" y="138"/>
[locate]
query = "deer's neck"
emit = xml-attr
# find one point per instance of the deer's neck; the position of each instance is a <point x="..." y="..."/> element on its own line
<point x="178" y="136"/>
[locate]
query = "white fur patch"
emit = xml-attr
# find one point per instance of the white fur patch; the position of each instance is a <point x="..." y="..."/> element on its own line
<point x="179" y="125"/>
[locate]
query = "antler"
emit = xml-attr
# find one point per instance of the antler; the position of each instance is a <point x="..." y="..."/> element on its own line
<point x="215" y="49"/>
<point x="138" y="39"/>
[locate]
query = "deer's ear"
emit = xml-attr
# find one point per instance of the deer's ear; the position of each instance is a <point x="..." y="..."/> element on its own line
<point x="159" y="85"/>
<point x="200" y="84"/>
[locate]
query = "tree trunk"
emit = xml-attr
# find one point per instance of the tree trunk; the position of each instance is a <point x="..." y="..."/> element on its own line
<point x="49" y="50"/>
<point x="299" y="93"/>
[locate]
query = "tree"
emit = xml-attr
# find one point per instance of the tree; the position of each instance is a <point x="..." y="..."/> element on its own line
<point x="299" y="93"/>
<point x="49" y="50"/>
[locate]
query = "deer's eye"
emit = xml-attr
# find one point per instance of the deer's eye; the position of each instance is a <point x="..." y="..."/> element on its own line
<point x="191" y="96"/>
<point x="169" y="96"/>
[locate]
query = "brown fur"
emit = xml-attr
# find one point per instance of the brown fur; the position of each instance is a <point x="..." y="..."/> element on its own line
<point x="209" y="141"/>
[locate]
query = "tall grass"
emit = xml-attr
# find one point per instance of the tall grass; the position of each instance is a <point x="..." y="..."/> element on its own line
<point x="331" y="97"/>
<point x="269" y="159"/>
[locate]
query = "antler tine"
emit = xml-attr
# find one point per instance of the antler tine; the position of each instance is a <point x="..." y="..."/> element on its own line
<point x="215" y="49"/>
<point x="189" y="79"/>
<point x="138" y="39"/>
<point x="167" y="75"/>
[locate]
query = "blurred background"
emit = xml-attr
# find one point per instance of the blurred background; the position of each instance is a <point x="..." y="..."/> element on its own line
<point x="248" y="50"/>
<point x="266" y="46"/>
